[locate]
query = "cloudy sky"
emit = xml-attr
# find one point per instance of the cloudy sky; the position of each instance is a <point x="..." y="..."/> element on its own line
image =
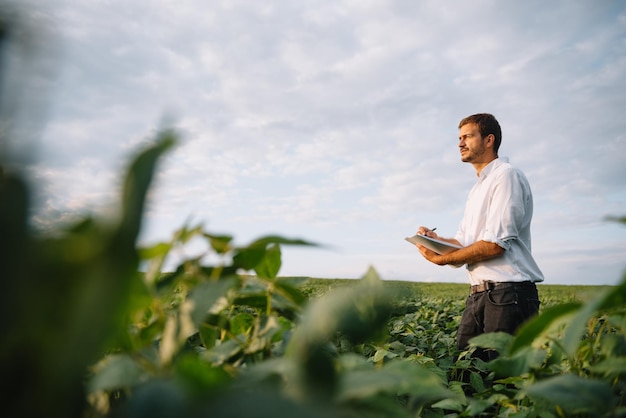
<point x="336" y="121"/>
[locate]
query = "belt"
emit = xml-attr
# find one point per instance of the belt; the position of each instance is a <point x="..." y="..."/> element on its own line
<point x="486" y="286"/>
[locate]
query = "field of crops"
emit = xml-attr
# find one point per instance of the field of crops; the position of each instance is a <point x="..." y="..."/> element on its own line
<point x="92" y="327"/>
<point x="422" y="328"/>
<point x="446" y="293"/>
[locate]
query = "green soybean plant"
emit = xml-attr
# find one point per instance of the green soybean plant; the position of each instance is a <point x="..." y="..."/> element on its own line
<point x="65" y="296"/>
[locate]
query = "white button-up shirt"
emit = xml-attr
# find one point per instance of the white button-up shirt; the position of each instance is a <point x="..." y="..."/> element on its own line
<point x="499" y="209"/>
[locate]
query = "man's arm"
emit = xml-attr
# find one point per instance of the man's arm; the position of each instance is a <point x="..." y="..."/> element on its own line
<point x="478" y="251"/>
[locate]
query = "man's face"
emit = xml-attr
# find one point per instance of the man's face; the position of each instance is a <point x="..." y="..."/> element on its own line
<point x="471" y="144"/>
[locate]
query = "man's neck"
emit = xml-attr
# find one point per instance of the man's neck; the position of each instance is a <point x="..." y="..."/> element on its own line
<point x="478" y="166"/>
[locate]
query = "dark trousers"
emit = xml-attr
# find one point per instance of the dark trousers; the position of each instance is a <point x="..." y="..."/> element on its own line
<point x="503" y="308"/>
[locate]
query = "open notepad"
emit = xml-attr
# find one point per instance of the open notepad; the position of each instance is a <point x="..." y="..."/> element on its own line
<point x="438" y="246"/>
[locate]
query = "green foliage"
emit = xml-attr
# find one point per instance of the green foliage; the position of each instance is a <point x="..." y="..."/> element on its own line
<point x="66" y="295"/>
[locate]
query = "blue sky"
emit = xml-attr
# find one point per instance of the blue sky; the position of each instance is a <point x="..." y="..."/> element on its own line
<point x="336" y="121"/>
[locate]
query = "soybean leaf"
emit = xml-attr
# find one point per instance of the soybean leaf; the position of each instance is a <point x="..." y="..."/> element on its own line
<point x="248" y="258"/>
<point x="574" y="394"/>
<point x="615" y="297"/>
<point x="269" y="265"/>
<point x="538" y="326"/>
<point x="477" y="406"/>
<point x="136" y="185"/>
<point x="186" y="234"/>
<point x="264" y="331"/>
<point x="167" y="281"/>
<point x="620" y="219"/>
<point x="94" y="281"/>
<point x="254" y="300"/>
<point x="156" y="256"/>
<point x="275" y="239"/>
<point x="358" y="312"/>
<point x="217" y="321"/>
<point x="200" y="376"/>
<point x="271" y="372"/>
<point x="208" y="335"/>
<point x="219" y="243"/>
<point x="117" y="371"/>
<point x="370" y="278"/>
<point x="290" y="292"/>
<point x="221" y="353"/>
<point x="241" y="323"/>
<point x="217" y="272"/>
<point x="205" y="295"/>
<point x="157" y="250"/>
<point x="476" y="382"/>
<point x="519" y="363"/>
<point x="499" y="341"/>
<point x="576" y="326"/>
<point x="449" y="403"/>
<point x="396" y="377"/>
<point x="612" y="366"/>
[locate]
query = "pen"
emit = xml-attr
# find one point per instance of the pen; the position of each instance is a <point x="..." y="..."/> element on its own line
<point x="433" y="230"/>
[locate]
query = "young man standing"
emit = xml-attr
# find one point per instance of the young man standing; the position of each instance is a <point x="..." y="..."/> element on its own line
<point x="495" y="235"/>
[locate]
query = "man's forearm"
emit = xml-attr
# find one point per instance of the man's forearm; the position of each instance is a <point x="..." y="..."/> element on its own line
<point x="477" y="252"/>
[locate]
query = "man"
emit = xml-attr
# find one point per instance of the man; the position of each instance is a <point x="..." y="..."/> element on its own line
<point x="495" y="235"/>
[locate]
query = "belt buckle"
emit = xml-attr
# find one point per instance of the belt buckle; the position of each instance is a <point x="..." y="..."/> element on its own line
<point x="484" y="286"/>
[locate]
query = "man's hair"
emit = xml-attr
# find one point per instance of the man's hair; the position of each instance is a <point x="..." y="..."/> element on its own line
<point x="487" y="124"/>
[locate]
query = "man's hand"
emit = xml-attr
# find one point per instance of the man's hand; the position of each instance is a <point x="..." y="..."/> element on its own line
<point x="431" y="256"/>
<point x="427" y="232"/>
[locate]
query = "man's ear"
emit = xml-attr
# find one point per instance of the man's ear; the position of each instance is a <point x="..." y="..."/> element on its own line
<point x="490" y="140"/>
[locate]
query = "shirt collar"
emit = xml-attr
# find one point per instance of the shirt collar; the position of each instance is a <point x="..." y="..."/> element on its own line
<point x="491" y="166"/>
